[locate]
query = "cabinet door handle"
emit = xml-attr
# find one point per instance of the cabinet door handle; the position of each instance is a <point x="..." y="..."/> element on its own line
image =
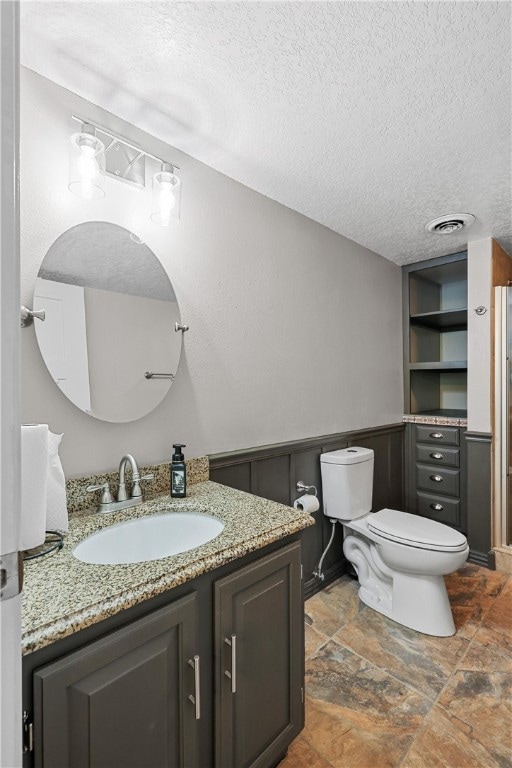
<point x="196" y="698"/>
<point x="436" y="435"/>
<point x="437" y="456"/>
<point x="231" y="641"/>
<point x="436" y="478"/>
<point x="437" y="507"/>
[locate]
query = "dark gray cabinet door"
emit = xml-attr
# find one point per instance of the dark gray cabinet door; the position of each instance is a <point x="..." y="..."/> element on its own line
<point x="122" y="701"/>
<point x="259" y="660"/>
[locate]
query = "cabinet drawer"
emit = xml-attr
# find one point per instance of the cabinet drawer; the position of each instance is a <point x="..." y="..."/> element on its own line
<point x="438" y="508"/>
<point x="438" y="480"/>
<point x="426" y="433"/>
<point x="428" y="454"/>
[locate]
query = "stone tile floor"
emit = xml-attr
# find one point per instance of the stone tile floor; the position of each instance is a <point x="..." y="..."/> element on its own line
<point x="379" y="695"/>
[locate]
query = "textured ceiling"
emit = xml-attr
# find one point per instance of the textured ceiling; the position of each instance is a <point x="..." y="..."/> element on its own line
<point x="370" y="118"/>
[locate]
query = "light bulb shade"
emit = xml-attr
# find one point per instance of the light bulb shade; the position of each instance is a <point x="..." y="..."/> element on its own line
<point x="87" y="165"/>
<point x="166" y="203"/>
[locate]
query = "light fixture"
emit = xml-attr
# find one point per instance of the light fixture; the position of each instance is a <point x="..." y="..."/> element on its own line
<point x="166" y="196"/>
<point x="87" y="164"/>
<point x="97" y="150"/>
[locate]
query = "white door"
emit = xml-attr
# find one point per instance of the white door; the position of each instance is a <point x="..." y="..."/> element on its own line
<point x="10" y="600"/>
<point x="62" y="338"/>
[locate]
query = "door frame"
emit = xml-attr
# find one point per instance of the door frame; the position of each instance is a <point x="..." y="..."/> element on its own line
<point x="10" y="491"/>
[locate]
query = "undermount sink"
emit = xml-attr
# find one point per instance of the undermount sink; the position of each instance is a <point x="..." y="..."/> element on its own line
<point x="148" y="538"/>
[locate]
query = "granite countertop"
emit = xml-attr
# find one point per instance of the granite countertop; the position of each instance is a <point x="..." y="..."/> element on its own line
<point x="441" y="421"/>
<point x="62" y="595"/>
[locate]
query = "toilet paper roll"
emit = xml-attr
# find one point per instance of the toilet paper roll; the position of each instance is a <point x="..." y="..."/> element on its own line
<point x="34" y="474"/>
<point x="307" y="503"/>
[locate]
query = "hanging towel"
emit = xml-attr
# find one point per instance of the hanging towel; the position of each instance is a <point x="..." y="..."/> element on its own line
<point x="34" y="477"/>
<point x="56" y="506"/>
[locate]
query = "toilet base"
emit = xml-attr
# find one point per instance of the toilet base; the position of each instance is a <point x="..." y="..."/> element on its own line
<point x="417" y="601"/>
<point x="427" y="611"/>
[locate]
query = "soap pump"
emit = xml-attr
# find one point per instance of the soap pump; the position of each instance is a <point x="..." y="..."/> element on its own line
<point x="178" y="472"/>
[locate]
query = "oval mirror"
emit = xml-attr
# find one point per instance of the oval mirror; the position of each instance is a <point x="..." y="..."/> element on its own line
<point x="109" y="339"/>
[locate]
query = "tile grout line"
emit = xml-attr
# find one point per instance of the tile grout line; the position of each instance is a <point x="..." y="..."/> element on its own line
<point x="315" y="750"/>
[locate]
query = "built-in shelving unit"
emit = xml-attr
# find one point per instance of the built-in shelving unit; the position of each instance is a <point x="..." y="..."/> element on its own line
<point x="435" y="336"/>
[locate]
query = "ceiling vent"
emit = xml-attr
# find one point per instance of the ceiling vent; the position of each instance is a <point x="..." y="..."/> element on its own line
<point x="452" y="222"/>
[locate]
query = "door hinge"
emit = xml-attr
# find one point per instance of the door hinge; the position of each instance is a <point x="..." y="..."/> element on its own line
<point x="28" y="733"/>
<point x="301" y="572"/>
<point x="302" y="695"/>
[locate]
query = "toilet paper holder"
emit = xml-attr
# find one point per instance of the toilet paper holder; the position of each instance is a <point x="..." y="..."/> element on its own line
<point x="303" y="488"/>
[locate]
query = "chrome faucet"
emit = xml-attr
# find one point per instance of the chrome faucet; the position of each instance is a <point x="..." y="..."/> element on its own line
<point x="136" y="491"/>
<point x="107" y="503"/>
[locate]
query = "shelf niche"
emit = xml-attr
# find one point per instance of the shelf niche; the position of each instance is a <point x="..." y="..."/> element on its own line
<point x="435" y="319"/>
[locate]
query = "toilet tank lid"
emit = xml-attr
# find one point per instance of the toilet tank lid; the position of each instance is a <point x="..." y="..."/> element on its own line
<point x="402" y="526"/>
<point x="351" y="455"/>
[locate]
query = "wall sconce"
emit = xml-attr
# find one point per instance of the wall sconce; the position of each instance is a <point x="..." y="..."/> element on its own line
<point x="87" y="164"/>
<point x="166" y="196"/>
<point x="97" y="150"/>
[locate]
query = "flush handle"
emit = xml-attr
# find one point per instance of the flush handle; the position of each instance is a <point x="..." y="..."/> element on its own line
<point x="437" y="507"/>
<point x="436" y="478"/>
<point x="436" y="435"/>
<point x="437" y="456"/>
<point x="231" y="641"/>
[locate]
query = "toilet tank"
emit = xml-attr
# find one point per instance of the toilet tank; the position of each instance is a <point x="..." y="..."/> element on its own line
<point x="347" y="482"/>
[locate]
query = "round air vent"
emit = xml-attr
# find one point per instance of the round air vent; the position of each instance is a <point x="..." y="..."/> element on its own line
<point x="452" y="222"/>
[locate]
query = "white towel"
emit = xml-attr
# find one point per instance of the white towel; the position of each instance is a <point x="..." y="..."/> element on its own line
<point x="34" y="477"/>
<point x="43" y="485"/>
<point x="56" y="506"/>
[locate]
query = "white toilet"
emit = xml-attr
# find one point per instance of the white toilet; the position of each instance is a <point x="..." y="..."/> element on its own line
<point x="400" y="558"/>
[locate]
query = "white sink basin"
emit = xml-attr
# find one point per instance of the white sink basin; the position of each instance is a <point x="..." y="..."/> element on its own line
<point x="148" y="538"/>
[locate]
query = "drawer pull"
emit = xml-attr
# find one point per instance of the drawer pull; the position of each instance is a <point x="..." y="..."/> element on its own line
<point x="436" y="478"/>
<point x="437" y="456"/>
<point x="436" y="435"/>
<point x="231" y="641"/>
<point x="196" y="698"/>
<point x="437" y="507"/>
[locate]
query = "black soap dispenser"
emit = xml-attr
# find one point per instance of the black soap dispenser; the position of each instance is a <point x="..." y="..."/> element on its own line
<point x="178" y="472"/>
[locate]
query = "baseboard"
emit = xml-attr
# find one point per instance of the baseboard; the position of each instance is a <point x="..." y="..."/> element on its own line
<point x="485" y="559"/>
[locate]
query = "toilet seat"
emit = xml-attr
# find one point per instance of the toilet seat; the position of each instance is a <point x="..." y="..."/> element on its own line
<point x="416" y="531"/>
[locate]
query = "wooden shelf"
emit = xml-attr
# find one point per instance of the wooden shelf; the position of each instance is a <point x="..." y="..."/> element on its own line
<point x="442" y="365"/>
<point x="445" y="413"/>
<point x="447" y="319"/>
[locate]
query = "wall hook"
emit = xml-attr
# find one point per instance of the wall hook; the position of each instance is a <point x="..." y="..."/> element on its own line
<point x="27" y="316"/>
<point x="480" y="310"/>
<point x="180" y="327"/>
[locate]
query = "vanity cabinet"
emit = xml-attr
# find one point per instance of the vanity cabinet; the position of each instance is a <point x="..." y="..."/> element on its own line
<point x="207" y="675"/>
<point x="259" y="661"/>
<point x="436" y="477"/>
<point x="124" y="701"/>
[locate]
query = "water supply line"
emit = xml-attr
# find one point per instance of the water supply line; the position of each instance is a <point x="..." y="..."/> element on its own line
<point x="318" y="573"/>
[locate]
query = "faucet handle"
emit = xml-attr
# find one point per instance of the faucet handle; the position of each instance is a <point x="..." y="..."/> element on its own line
<point x="136" y="490"/>
<point x="106" y="496"/>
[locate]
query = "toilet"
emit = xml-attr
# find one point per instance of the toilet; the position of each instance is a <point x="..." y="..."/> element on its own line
<point x="400" y="559"/>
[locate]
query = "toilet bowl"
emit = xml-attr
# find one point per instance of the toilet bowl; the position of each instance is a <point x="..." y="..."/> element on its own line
<point x="400" y="559"/>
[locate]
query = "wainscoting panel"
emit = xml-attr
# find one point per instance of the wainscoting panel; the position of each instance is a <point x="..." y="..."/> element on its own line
<point x="272" y="471"/>
<point x="479" y="474"/>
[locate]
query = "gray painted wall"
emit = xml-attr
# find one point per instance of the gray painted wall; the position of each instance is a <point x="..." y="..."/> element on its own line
<point x="295" y="331"/>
